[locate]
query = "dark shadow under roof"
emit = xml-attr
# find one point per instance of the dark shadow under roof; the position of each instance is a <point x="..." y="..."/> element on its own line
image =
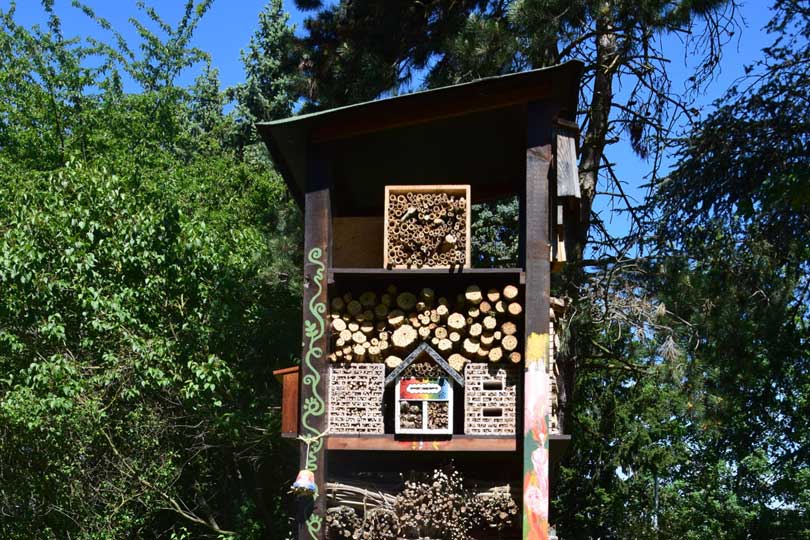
<point x="466" y="133"/>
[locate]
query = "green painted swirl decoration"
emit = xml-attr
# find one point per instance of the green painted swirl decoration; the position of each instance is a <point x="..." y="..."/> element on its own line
<point x="314" y="406"/>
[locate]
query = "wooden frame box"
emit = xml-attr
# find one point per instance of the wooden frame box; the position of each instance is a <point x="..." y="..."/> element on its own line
<point x="426" y="401"/>
<point x="490" y="399"/>
<point x="428" y="222"/>
<point x="356" y="398"/>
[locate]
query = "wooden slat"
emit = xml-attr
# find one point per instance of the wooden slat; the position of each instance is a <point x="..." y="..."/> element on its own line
<point x="279" y="373"/>
<point x="394" y="274"/>
<point x="567" y="173"/>
<point x="289" y="404"/>
<point x="427" y="107"/>
<point x="390" y="444"/>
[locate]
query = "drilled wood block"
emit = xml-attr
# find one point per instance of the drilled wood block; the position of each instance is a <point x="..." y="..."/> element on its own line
<point x="490" y="399"/>
<point x="356" y="398"/>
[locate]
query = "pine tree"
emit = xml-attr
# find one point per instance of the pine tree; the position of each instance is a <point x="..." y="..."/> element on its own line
<point x="271" y="85"/>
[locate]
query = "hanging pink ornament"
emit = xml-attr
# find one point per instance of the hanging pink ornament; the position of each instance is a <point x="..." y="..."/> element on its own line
<point x="304" y="485"/>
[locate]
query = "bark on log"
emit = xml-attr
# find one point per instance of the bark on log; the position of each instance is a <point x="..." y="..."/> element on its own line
<point x="396" y="318"/>
<point x="470" y="346"/>
<point x="473" y="294"/>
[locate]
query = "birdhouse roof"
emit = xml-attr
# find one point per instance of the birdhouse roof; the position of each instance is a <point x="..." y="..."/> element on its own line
<point x="424" y="348"/>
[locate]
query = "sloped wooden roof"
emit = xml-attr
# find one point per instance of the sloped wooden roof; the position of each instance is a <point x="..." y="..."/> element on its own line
<point x="424" y="348"/>
<point x="465" y="133"/>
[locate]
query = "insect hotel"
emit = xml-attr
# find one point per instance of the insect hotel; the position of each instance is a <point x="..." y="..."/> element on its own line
<point x="426" y="399"/>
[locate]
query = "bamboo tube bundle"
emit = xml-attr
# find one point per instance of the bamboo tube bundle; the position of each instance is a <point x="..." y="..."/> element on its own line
<point x="428" y="228"/>
<point x="423" y="370"/>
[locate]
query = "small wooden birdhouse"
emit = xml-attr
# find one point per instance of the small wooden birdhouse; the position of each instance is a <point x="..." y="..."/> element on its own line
<point x="423" y="398"/>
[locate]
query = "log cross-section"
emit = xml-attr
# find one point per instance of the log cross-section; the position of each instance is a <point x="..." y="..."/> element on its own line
<point x="314" y="373"/>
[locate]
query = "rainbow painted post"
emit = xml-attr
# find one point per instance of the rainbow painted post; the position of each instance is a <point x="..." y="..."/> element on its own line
<point x="535" y="439"/>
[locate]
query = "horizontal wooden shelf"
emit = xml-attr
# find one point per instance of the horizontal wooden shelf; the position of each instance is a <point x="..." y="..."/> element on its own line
<point x="458" y="443"/>
<point x="516" y="274"/>
<point x="558" y="444"/>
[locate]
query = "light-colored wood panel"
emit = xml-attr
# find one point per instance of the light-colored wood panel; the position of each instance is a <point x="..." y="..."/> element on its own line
<point x="357" y="242"/>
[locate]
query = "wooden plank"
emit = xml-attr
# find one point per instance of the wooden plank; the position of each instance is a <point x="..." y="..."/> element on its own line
<point x="357" y="242"/>
<point x="567" y="173"/>
<point x="388" y="443"/>
<point x="453" y="189"/>
<point x="426" y="107"/>
<point x="396" y="273"/>
<point x="279" y="373"/>
<point x="536" y="379"/>
<point x="289" y="404"/>
<point x="314" y="369"/>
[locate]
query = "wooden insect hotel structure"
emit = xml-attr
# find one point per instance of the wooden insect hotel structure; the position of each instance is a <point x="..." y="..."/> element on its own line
<point x="426" y="399"/>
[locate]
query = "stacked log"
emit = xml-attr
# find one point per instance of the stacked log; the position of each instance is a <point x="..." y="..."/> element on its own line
<point x="342" y="522"/>
<point x="426" y="229"/>
<point x="479" y="325"/>
<point x="440" y="505"/>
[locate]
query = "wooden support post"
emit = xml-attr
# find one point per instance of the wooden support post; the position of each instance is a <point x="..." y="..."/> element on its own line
<point x="314" y="371"/>
<point x="538" y="275"/>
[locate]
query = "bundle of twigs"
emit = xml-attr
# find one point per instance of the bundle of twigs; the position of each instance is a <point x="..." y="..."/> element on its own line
<point x="357" y="497"/>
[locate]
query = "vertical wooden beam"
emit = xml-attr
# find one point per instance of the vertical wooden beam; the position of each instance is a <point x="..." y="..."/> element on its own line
<point x="536" y="386"/>
<point x="314" y="372"/>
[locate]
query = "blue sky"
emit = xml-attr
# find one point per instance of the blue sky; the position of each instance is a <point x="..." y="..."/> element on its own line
<point x="227" y="27"/>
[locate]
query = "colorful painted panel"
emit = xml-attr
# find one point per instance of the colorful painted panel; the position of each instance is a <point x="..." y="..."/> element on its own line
<point x="424" y="406"/>
<point x="535" y="439"/>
